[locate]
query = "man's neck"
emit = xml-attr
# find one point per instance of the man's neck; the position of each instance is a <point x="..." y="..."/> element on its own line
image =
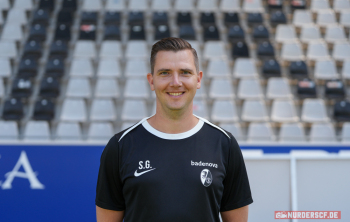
<point x="173" y="123"/>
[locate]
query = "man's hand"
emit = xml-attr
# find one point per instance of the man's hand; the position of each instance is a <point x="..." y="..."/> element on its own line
<point x="104" y="215"/>
<point x="236" y="215"/>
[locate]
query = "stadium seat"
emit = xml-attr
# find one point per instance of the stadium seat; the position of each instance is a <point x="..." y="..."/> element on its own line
<point x="249" y="89"/>
<point x="28" y="67"/>
<point x="271" y="68"/>
<point x="136" y="88"/>
<point x="44" y="109"/>
<point x="160" y="18"/>
<point x="161" y="5"/>
<point x="285" y="33"/>
<point x="260" y="33"/>
<point x="12" y="32"/>
<point x="4" y="5"/>
<point x="184" y="18"/>
<point x="221" y="89"/>
<point x="310" y="33"/>
<point x="74" y="110"/>
<point x="13" y="109"/>
<point x="137" y="32"/>
<point x="70" y="5"/>
<point x="22" y="87"/>
<point x="319" y="5"/>
<point x="111" y="50"/>
<point x="306" y="88"/>
<point x="201" y="92"/>
<point x="211" y="33"/>
<point x="184" y="5"/>
<point x="341" y="51"/>
<point x="302" y="18"/>
<point x="234" y="129"/>
<point x="8" y="49"/>
<point x="317" y="50"/>
<point x="68" y="131"/>
<point x="231" y="18"/>
<point x="8" y="130"/>
<point x="5" y="68"/>
<point x="224" y="111"/>
<point x="207" y="5"/>
<point x="133" y="110"/>
<point x="325" y="69"/>
<point x="55" y="66"/>
<point x="46" y="5"/>
<point x="298" y="4"/>
<point x="240" y="50"/>
<point x="335" y="33"/>
<point x="341" y="5"/>
<point x="322" y="132"/>
<point x="260" y="132"/>
<point x="112" y="32"/>
<point x="112" y="18"/>
<point x="207" y="19"/>
<point x="346" y="69"/>
<point x="41" y="16"/>
<point x="2" y="89"/>
<point x="277" y="18"/>
<point x="89" y="18"/>
<point x="214" y="50"/>
<point x="37" y="32"/>
<point x="136" y="68"/>
<point x="63" y="32"/>
<point x="278" y="88"/>
<point x="65" y="17"/>
<point x="16" y="16"/>
<point x="37" y="130"/>
<point x="139" y="5"/>
<point x="23" y="4"/>
<point x="108" y="68"/>
<point x="345" y="18"/>
<point x="252" y="6"/>
<point x="284" y="111"/>
<point x="200" y="108"/>
<point x="235" y="33"/>
<point x="254" y="19"/>
<point x="292" y="51"/>
<point x="162" y="31"/>
<point x="326" y="18"/>
<point x="334" y="89"/>
<point x="92" y="5"/>
<point x="81" y="68"/>
<point x="49" y="87"/>
<point x="187" y="32"/>
<point x="341" y="111"/>
<point x="298" y="69"/>
<point x="292" y="132"/>
<point x="136" y="18"/>
<point x="33" y="49"/>
<point x="218" y="68"/>
<point x="254" y="111"/>
<point x="230" y="6"/>
<point x="345" y="135"/>
<point x="87" y="32"/>
<point x="100" y="131"/>
<point x="137" y="49"/>
<point x="84" y="49"/>
<point x="102" y="110"/>
<point x="114" y="5"/>
<point x="245" y="68"/>
<point x="265" y="50"/>
<point x="78" y="88"/>
<point x="107" y="88"/>
<point x="59" y="47"/>
<point x="314" y="110"/>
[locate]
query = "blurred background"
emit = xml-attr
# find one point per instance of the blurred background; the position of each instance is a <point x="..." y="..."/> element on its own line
<point x="73" y="73"/>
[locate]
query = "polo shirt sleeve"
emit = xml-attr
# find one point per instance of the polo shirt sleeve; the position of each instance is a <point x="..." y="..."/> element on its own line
<point x="236" y="192"/>
<point x="109" y="189"/>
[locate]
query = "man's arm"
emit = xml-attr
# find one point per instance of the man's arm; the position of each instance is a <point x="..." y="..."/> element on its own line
<point x="236" y="215"/>
<point x="104" y="215"/>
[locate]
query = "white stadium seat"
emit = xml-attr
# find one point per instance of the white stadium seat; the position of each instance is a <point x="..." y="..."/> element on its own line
<point x="37" y="130"/>
<point x="214" y="50"/>
<point x="230" y="6"/>
<point x="285" y="33"/>
<point x="310" y="33"/>
<point x="8" y="49"/>
<point x="234" y="129"/>
<point x="100" y="131"/>
<point x="207" y="5"/>
<point x="292" y="51"/>
<point x="68" y="131"/>
<point x="326" y="18"/>
<point x="254" y="111"/>
<point x="107" y="88"/>
<point x="253" y="6"/>
<point x="111" y="49"/>
<point x="249" y="89"/>
<point x="5" y="68"/>
<point x="74" y="110"/>
<point x="102" y="110"/>
<point x="224" y="111"/>
<point x="137" y="5"/>
<point x="184" y="5"/>
<point x="335" y="33"/>
<point x="84" y="49"/>
<point x="292" y="132"/>
<point x="314" y="110"/>
<point x="278" y="88"/>
<point x="136" y="68"/>
<point x="78" y="88"/>
<point x="218" y="68"/>
<point x="345" y="135"/>
<point x="136" y="88"/>
<point x="81" y="68"/>
<point x="8" y="130"/>
<point x="92" y="5"/>
<point x="115" y="5"/>
<point x="319" y="5"/>
<point x="245" y="68"/>
<point x="322" y="132"/>
<point x="137" y="49"/>
<point x="134" y="110"/>
<point x="108" y="68"/>
<point x="341" y="51"/>
<point x="326" y="69"/>
<point x="12" y="32"/>
<point x="345" y="18"/>
<point x="221" y="89"/>
<point x="260" y="132"/>
<point x="341" y="5"/>
<point x="16" y="16"/>
<point x="302" y="17"/>
<point x="346" y="69"/>
<point x="284" y="111"/>
<point x="317" y="50"/>
<point x="161" y="5"/>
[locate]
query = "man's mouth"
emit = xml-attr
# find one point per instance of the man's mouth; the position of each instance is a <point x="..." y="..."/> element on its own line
<point x="176" y="94"/>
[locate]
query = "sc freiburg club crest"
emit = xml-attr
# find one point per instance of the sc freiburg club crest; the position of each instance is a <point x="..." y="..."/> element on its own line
<point x="206" y="177"/>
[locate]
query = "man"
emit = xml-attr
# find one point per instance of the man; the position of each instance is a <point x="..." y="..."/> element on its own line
<point x="173" y="166"/>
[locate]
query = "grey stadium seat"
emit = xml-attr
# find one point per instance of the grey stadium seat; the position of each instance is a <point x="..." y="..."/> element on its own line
<point x="78" y="88"/>
<point x="136" y="88"/>
<point x="221" y="89"/>
<point x="74" y="110"/>
<point x="302" y="17"/>
<point x="325" y="69"/>
<point x="278" y="88"/>
<point x="224" y="111"/>
<point x="310" y="33"/>
<point x="136" y="68"/>
<point x="245" y="68"/>
<point x="68" y="131"/>
<point x="81" y="68"/>
<point x="37" y="130"/>
<point x="108" y="68"/>
<point x="111" y="49"/>
<point x="102" y="110"/>
<point x="100" y="131"/>
<point x="260" y="132"/>
<point x="85" y="49"/>
<point x="107" y="88"/>
<point x="8" y="130"/>
<point x="249" y="89"/>
<point x="5" y="68"/>
<point x="346" y="132"/>
<point x="322" y="132"/>
<point x="292" y="132"/>
<point x="137" y="49"/>
<point x="134" y="110"/>
<point x="341" y="51"/>
<point x="254" y="111"/>
<point x="284" y="111"/>
<point x="314" y="110"/>
<point x="218" y="68"/>
<point x="8" y="49"/>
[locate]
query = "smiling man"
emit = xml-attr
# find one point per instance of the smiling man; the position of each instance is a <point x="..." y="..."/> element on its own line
<point x="173" y="166"/>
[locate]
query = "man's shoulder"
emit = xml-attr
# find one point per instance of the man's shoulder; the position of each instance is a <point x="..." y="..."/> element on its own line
<point x="215" y="130"/>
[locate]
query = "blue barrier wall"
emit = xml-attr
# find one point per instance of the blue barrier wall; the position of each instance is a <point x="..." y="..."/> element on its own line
<point x="57" y="182"/>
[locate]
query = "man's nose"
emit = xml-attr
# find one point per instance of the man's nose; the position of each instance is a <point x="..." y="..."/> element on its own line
<point x="176" y="81"/>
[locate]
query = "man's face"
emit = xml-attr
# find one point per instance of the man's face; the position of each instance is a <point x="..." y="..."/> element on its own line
<point x="174" y="80"/>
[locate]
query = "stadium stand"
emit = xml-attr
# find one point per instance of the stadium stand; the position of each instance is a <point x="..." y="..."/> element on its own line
<point x="281" y="66"/>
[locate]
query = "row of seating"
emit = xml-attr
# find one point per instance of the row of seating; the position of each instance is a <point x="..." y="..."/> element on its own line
<point x="257" y="132"/>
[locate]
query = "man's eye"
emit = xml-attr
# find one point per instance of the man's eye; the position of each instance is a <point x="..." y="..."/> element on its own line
<point x="186" y="72"/>
<point x="164" y="73"/>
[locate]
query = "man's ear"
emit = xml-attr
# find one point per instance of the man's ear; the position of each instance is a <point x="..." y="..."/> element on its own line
<point x="150" y="80"/>
<point x="199" y="79"/>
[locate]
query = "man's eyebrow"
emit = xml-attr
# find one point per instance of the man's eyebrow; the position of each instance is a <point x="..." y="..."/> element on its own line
<point x="163" y="70"/>
<point x="187" y="70"/>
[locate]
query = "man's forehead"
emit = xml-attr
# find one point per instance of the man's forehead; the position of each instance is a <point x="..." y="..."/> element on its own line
<point x="182" y="56"/>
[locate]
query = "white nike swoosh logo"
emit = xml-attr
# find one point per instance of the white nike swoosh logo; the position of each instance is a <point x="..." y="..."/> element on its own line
<point x="136" y="174"/>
